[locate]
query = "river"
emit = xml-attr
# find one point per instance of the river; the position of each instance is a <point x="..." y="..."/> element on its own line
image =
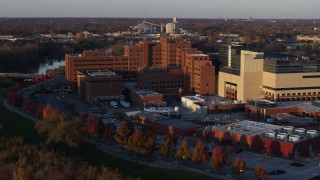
<point x="52" y="64"/>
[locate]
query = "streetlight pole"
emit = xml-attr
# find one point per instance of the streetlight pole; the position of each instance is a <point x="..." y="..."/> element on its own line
<point x="183" y="158"/>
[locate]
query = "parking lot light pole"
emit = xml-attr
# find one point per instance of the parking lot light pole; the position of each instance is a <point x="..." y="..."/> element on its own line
<point x="183" y="159"/>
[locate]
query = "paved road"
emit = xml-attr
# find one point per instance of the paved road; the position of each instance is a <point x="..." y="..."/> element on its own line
<point x="159" y="163"/>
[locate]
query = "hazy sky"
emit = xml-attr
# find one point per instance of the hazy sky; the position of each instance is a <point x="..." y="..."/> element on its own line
<point x="162" y="8"/>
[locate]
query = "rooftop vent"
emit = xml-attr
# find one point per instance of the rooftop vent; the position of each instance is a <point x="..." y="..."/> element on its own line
<point x="282" y="136"/>
<point x="312" y="133"/>
<point x="300" y="131"/>
<point x="294" y="138"/>
<point x="289" y="129"/>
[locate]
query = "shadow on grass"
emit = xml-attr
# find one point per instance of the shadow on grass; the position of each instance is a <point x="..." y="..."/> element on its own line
<point x="16" y="125"/>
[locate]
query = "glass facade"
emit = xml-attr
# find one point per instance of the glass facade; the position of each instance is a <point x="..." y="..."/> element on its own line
<point x="291" y="66"/>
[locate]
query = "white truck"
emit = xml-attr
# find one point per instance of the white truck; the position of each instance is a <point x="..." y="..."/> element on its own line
<point x="125" y="104"/>
<point x="114" y="104"/>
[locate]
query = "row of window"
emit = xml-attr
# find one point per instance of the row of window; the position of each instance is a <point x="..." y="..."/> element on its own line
<point x="163" y="82"/>
<point x="106" y="81"/>
<point x="161" y="87"/>
<point x="100" y="60"/>
<point x="314" y="76"/>
<point x="293" y="94"/>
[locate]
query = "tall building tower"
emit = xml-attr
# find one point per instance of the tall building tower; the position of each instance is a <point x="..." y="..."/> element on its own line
<point x="174" y="27"/>
<point x="174" y="19"/>
<point x="229" y="56"/>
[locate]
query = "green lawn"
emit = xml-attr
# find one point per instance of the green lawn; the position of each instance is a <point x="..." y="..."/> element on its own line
<point x="15" y="125"/>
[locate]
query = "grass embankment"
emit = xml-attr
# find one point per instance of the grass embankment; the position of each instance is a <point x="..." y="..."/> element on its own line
<point x="15" y="125"/>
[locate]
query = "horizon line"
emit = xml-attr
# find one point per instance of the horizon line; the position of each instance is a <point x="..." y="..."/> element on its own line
<point x="100" y="17"/>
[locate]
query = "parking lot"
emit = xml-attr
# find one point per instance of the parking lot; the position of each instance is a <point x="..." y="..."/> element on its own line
<point x="270" y="163"/>
<point x="60" y="100"/>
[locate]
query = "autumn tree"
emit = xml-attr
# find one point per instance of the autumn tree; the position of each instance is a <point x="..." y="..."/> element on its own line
<point x="199" y="153"/>
<point x="238" y="166"/>
<point x="81" y="123"/>
<point x="109" y="132"/>
<point x="92" y="124"/>
<point x="183" y="152"/>
<point x="58" y="128"/>
<point x="125" y="130"/>
<point x="219" y="158"/>
<point x="49" y="111"/>
<point x="136" y="142"/>
<point x="141" y="142"/>
<point x="260" y="172"/>
<point x="167" y="149"/>
<point x="150" y="144"/>
<point x="150" y="139"/>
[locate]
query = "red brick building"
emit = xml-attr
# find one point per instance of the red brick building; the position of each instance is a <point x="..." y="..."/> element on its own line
<point x="145" y="98"/>
<point x="269" y="139"/>
<point x="304" y="108"/>
<point x="94" y="86"/>
<point x="168" y="81"/>
<point x="164" y="125"/>
<point x="198" y="72"/>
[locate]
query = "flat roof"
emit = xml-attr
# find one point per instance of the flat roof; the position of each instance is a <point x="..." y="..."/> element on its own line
<point x="247" y="128"/>
<point x="180" y="124"/>
<point x="98" y="73"/>
<point x="218" y="100"/>
<point x="307" y="105"/>
<point x="194" y="98"/>
<point x="154" y="116"/>
<point x="145" y="92"/>
<point x="212" y="100"/>
<point x="285" y="117"/>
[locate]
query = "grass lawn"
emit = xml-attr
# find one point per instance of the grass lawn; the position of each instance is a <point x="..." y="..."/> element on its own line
<point x="15" y="125"/>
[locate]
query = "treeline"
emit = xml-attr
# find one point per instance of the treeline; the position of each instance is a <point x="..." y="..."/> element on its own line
<point x="16" y="26"/>
<point x="24" y="54"/>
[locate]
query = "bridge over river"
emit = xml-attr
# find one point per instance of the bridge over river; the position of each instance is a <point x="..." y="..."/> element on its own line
<point x="19" y="75"/>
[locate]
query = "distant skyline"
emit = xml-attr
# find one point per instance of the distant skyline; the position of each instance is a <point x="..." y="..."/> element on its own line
<point x="258" y="9"/>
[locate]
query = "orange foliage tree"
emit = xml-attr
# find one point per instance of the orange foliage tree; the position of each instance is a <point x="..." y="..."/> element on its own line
<point x="260" y="172"/>
<point x="199" y="153"/>
<point x="124" y="131"/>
<point x="183" y="152"/>
<point x="219" y="158"/>
<point x="238" y="166"/>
